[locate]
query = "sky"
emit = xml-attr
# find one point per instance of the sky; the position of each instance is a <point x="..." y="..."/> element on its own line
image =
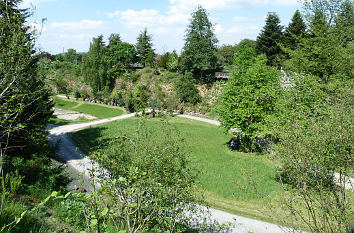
<point x="73" y="23"/>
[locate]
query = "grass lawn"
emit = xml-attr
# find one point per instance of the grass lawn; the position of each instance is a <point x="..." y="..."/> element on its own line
<point x="239" y="183"/>
<point x="98" y="110"/>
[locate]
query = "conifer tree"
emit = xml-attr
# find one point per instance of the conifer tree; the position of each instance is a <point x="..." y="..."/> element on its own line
<point x="95" y="66"/>
<point x="25" y="104"/>
<point x="295" y="31"/>
<point x="144" y="47"/>
<point x="269" y="40"/>
<point x="200" y="50"/>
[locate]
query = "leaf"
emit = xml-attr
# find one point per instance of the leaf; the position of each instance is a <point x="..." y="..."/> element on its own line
<point x="67" y="195"/>
<point x="93" y="222"/>
<point x="104" y="212"/>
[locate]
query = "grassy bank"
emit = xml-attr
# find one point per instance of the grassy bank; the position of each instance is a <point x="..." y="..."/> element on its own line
<point x="239" y="183"/>
<point x="97" y="110"/>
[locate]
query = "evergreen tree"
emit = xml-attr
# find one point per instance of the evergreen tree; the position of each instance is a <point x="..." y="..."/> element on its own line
<point x="114" y="39"/>
<point x="200" y="50"/>
<point x="144" y="47"/>
<point x="322" y="53"/>
<point x="269" y="40"/>
<point x="95" y="67"/>
<point x="295" y="31"/>
<point x="25" y="104"/>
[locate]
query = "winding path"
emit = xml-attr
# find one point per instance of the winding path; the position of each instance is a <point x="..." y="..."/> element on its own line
<point x="77" y="163"/>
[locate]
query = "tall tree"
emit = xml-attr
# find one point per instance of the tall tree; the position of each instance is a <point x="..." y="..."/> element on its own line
<point x="295" y="31"/>
<point x="226" y="54"/>
<point x="269" y="40"/>
<point x="114" y="39"/>
<point x="25" y="104"/>
<point x="121" y="56"/>
<point x="200" y="50"/>
<point x="95" y="67"/>
<point x="144" y="47"/>
<point x="71" y="56"/>
<point x="321" y="54"/>
<point x="250" y="96"/>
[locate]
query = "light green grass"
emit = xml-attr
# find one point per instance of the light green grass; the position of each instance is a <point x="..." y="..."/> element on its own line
<point x="97" y="110"/>
<point x="236" y="182"/>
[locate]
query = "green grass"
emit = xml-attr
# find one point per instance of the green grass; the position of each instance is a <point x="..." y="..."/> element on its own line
<point x="97" y="110"/>
<point x="236" y="182"/>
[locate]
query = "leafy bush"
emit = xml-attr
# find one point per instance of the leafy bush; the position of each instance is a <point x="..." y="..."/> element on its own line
<point x="186" y="90"/>
<point x="250" y="97"/>
<point x="153" y="185"/>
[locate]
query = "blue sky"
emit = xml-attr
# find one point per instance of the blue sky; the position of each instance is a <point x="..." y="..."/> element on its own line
<point x="73" y="23"/>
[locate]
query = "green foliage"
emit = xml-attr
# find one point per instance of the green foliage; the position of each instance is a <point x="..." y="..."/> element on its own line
<point x="321" y="54"/>
<point x="249" y="98"/>
<point x="245" y="54"/>
<point x="199" y="51"/>
<point x="114" y="39"/>
<point x="186" y="90"/>
<point x="225" y="177"/>
<point x="172" y="64"/>
<point x="25" y="106"/>
<point x="153" y="184"/>
<point x="95" y="66"/>
<point x="71" y="56"/>
<point x="311" y="151"/>
<point x="144" y="48"/>
<point x="226" y="54"/>
<point x="268" y="41"/>
<point x="121" y="56"/>
<point x="295" y="31"/>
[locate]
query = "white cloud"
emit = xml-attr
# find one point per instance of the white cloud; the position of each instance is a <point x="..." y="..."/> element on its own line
<point x="287" y="2"/>
<point x="80" y="36"/>
<point x="218" y="28"/>
<point x="240" y="18"/>
<point x="79" y="25"/>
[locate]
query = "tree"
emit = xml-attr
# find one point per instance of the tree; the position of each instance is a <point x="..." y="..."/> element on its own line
<point x="249" y="97"/>
<point x="144" y="47"/>
<point x="245" y="53"/>
<point x="186" y="90"/>
<point x="121" y="56"/>
<point x="71" y="56"/>
<point x="95" y="67"/>
<point x="321" y="53"/>
<point x="25" y="105"/>
<point x="295" y="31"/>
<point x="114" y="39"/>
<point x="313" y="123"/>
<point x="345" y="21"/>
<point x="199" y="51"/>
<point x="226" y="54"/>
<point x="269" y="40"/>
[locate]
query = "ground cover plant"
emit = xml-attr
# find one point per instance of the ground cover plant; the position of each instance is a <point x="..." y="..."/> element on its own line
<point x="237" y="182"/>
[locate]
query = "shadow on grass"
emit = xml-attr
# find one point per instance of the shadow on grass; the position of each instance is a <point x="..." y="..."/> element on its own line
<point x="84" y="139"/>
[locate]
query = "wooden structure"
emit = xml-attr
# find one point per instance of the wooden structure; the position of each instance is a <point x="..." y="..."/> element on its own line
<point x="222" y="76"/>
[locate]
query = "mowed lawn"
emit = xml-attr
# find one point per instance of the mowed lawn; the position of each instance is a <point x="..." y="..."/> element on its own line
<point x="237" y="182"/>
<point x="97" y="110"/>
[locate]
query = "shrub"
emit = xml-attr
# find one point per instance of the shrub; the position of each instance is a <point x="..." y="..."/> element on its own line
<point x="186" y="90"/>
<point x="153" y="185"/>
